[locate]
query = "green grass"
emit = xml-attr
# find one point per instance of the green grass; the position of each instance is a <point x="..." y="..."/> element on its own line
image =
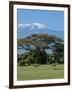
<point x="44" y="72"/>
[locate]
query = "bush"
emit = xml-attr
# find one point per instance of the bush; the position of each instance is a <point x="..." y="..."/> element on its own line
<point x="22" y="63"/>
<point x="61" y="60"/>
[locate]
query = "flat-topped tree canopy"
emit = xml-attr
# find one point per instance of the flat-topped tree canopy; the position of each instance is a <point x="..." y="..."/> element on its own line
<point x="38" y="41"/>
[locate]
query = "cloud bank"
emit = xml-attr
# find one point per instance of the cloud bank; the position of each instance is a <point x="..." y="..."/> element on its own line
<point x="38" y="26"/>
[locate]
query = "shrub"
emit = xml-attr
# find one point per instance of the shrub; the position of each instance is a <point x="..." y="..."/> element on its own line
<point x="22" y="63"/>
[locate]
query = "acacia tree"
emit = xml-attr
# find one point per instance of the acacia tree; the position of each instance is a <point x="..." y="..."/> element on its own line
<point x="36" y="45"/>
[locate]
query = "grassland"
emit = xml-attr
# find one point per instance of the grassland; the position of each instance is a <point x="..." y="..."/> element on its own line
<point x="43" y="72"/>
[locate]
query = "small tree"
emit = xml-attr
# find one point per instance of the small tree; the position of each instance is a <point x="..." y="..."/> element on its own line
<point x="58" y="51"/>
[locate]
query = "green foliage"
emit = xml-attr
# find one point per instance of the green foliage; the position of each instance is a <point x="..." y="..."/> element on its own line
<point x="22" y="63"/>
<point x="36" y="45"/>
<point x="22" y="57"/>
<point x="50" y="59"/>
<point x="58" y="52"/>
<point x="36" y="56"/>
<point x="61" y="61"/>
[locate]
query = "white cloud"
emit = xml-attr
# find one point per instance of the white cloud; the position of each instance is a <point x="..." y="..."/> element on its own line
<point x="37" y="26"/>
<point x="24" y="25"/>
<point x="20" y="25"/>
<point x="27" y="25"/>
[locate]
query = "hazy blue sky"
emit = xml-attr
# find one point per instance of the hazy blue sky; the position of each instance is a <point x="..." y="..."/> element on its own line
<point x="52" y="19"/>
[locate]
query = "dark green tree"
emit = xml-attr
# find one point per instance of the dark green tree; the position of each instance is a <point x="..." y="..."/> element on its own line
<point x="36" y="45"/>
<point x="58" y="50"/>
